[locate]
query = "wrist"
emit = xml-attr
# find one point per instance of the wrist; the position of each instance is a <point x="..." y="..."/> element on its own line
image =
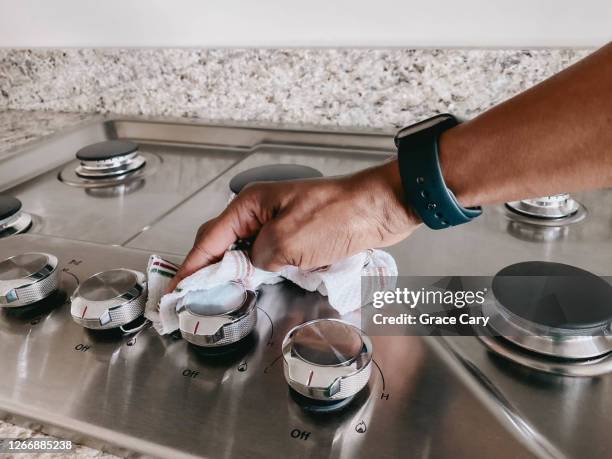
<point x="456" y="155"/>
<point x="387" y="182"/>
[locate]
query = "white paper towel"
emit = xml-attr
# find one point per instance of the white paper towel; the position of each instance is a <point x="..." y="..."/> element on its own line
<point x="341" y="282"/>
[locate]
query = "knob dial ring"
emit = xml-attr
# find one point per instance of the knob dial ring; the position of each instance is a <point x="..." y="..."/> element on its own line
<point x="109" y="299"/>
<point x="332" y="374"/>
<point x="215" y="324"/>
<point x="27" y="278"/>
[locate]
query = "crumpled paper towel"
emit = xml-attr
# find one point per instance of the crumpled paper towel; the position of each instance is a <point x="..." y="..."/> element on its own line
<point x="348" y="283"/>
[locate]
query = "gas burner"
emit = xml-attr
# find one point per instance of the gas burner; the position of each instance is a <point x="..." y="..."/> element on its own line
<point x="108" y="159"/>
<point x="326" y="363"/>
<point x="108" y="164"/>
<point x="110" y="299"/>
<point x="27" y="279"/>
<point x="12" y="219"/>
<point x="219" y="316"/>
<point x="553" y="310"/>
<point x="579" y="368"/>
<point x="555" y="207"/>
<point x="271" y="173"/>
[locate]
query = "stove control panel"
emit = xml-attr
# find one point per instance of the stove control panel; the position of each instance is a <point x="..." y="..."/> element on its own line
<point x="327" y="362"/>
<point x="27" y="278"/>
<point x="247" y="374"/>
<point x="220" y="316"/>
<point x="109" y="299"/>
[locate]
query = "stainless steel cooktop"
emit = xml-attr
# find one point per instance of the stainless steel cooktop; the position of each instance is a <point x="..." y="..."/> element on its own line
<point x="161" y="396"/>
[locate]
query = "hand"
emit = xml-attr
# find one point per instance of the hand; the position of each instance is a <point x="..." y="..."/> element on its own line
<point x="307" y="223"/>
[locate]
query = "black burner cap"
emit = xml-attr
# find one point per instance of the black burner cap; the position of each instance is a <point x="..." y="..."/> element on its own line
<point x="106" y="150"/>
<point x="554" y="295"/>
<point x="272" y="173"/>
<point x="9" y="206"/>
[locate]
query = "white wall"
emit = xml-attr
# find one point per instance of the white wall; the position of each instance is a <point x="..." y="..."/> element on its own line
<point x="272" y="23"/>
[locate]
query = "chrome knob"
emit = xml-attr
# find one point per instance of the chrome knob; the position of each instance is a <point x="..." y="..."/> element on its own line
<point x="327" y="359"/>
<point x="109" y="299"/>
<point x="218" y="316"/>
<point x="27" y="278"/>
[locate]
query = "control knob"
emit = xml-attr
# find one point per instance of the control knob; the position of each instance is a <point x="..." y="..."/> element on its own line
<point x="109" y="299"/>
<point x="12" y="219"/>
<point x="27" y="278"/>
<point x="219" y="316"/>
<point x="327" y="360"/>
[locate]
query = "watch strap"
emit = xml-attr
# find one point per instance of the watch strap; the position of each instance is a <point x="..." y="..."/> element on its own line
<point x="424" y="186"/>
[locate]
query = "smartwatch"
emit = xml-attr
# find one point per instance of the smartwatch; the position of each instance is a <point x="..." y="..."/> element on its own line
<point x="419" y="166"/>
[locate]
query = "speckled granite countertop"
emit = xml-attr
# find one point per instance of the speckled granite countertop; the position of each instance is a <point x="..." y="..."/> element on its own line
<point x="19" y="127"/>
<point x="378" y="88"/>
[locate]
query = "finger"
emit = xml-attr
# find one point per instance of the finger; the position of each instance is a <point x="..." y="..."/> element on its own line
<point x="196" y="258"/>
<point x="213" y="238"/>
<point x="241" y="219"/>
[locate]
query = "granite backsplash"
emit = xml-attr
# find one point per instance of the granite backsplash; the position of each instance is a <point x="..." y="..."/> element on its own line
<point x="379" y="88"/>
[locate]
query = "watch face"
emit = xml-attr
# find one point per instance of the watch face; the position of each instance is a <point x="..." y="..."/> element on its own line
<point x="421" y="125"/>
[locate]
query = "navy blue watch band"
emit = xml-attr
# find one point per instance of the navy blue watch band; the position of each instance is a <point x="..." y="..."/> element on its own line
<point x="422" y="179"/>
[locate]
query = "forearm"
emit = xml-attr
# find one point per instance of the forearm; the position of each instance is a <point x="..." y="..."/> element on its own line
<point x="553" y="138"/>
